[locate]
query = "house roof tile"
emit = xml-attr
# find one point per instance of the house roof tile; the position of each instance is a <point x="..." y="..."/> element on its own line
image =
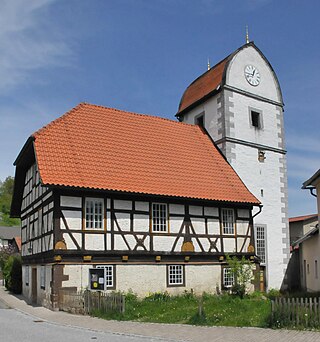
<point x="104" y="148"/>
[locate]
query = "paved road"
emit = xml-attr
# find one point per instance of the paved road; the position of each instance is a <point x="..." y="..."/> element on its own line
<point x="17" y="326"/>
<point x="37" y="324"/>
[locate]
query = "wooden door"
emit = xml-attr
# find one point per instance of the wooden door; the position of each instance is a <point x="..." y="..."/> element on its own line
<point x="34" y="286"/>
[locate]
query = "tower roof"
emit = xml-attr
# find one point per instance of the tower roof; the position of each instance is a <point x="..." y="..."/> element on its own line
<point x="211" y="82"/>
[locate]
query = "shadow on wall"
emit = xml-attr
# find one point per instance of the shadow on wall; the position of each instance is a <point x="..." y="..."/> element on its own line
<point x="291" y="280"/>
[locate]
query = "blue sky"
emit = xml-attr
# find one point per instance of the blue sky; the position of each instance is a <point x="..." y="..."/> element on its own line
<point x="140" y="55"/>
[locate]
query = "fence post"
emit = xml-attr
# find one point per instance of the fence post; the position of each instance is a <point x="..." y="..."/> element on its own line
<point x="123" y="303"/>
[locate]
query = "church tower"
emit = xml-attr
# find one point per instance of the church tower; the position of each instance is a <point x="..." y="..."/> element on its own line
<point x="239" y="103"/>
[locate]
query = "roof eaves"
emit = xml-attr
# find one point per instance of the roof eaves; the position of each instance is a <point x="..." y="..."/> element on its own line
<point x="308" y="184"/>
<point x="115" y="191"/>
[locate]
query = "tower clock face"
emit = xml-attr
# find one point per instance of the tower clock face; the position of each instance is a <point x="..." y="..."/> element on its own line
<point x="252" y="75"/>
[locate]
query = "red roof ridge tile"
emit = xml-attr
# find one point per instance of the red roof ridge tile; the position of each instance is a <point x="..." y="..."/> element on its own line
<point x="87" y="104"/>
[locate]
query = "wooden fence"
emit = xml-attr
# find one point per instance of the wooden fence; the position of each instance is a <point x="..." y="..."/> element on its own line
<point x="85" y="302"/>
<point x="296" y="312"/>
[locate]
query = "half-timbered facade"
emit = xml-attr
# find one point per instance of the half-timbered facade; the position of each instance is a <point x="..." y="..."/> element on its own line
<point x="149" y="201"/>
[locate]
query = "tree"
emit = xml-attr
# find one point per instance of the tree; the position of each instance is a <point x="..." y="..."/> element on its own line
<point x="6" y="192"/>
<point x="242" y="270"/>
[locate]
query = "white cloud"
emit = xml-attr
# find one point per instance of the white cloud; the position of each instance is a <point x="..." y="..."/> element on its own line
<point x="27" y="41"/>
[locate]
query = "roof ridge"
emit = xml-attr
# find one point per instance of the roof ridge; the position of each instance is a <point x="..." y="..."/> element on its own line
<point x="55" y="121"/>
<point x="83" y="104"/>
<point x="155" y="117"/>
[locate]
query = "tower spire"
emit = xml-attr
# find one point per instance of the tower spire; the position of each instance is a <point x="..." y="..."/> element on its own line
<point x="208" y="63"/>
<point x="247" y="35"/>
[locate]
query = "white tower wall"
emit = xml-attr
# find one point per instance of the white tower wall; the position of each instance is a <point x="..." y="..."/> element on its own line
<point x="228" y="121"/>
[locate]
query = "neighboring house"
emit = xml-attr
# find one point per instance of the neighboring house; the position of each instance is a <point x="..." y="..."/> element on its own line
<point x="301" y="225"/>
<point x="239" y="103"/>
<point x="307" y="248"/>
<point x="8" y="234"/>
<point x="149" y="203"/>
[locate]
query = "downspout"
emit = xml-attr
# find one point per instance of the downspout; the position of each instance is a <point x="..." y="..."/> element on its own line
<point x="312" y="193"/>
<point x="256" y="214"/>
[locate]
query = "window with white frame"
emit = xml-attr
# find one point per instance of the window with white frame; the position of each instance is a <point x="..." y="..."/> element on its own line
<point x="261" y="243"/>
<point x="26" y="275"/>
<point x="175" y="275"/>
<point x="159" y="217"/>
<point x="43" y="277"/>
<point x="228" y="277"/>
<point x="109" y="276"/>
<point x="228" y="221"/>
<point x="94" y="213"/>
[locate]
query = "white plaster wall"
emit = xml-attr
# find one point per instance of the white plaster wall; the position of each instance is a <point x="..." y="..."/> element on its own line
<point x="143" y="206"/>
<point x="235" y="74"/>
<point x="242" y="227"/>
<point x="73" y="219"/>
<point x="26" y="289"/>
<point x="163" y="243"/>
<point x="176" y="209"/>
<point x="146" y="279"/>
<point x="94" y="242"/>
<point x="243" y="213"/>
<point x="198" y="225"/>
<point x="195" y="210"/>
<point x="69" y="242"/>
<point x="265" y="176"/>
<point x="211" y="211"/>
<point x="78" y="276"/>
<point x="70" y="201"/>
<point x="229" y="245"/>
<point x="43" y="295"/>
<point x="310" y="252"/>
<point x="213" y="227"/>
<point x="175" y="224"/>
<point x="210" y="108"/>
<point x="141" y="223"/>
<point x="243" y="130"/>
<point x="198" y="278"/>
<point x="120" y="204"/>
<point x="123" y="220"/>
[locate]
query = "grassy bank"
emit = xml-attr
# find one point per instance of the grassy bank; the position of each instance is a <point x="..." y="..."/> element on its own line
<point x="224" y="310"/>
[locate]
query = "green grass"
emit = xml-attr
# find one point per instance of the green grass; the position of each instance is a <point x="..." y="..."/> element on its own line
<point x="224" y="310"/>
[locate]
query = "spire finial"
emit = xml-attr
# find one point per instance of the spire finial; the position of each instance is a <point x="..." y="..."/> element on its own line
<point x="247" y="35"/>
<point x="208" y="63"/>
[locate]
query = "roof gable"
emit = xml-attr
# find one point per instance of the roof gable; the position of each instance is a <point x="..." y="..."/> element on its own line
<point x="95" y="147"/>
<point x="211" y="82"/>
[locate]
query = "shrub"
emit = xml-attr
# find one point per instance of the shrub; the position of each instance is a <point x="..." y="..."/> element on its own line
<point x="158" y="297"/>
<point x="242" y="270"/>
<point x="13" y="274"/>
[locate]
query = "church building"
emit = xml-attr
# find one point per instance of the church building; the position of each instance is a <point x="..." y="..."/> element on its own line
<point x="157" y="204"/>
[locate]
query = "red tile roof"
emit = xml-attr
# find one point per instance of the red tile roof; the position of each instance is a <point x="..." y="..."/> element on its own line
<point x="203" y="86"/>
<point x="103" y="148"/>
<point x="302" y="218"/>
<point x="18" y="242"/>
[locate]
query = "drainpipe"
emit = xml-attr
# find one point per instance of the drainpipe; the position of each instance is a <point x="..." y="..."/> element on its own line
<point x="311" y="192"/>
<point x="256" y="214"/>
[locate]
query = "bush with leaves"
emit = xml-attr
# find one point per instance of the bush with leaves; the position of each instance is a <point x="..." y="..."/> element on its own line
<point x="242" y="270"/>
<point x="12" y="272"/>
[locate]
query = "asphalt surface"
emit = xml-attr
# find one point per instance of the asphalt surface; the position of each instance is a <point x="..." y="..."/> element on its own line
<point x="29" y="323"/>
<point x="18" y="326"/>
